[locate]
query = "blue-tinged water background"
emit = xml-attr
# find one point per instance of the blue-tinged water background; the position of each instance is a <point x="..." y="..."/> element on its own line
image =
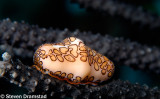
<point x="64" y="14"/>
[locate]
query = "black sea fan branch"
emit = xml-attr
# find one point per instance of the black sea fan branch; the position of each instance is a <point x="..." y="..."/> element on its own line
<point x="22" y="40"/>
<point x="37" y="83"/>
<point x="122" y="9"/>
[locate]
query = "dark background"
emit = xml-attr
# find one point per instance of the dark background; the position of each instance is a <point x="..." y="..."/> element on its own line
<point x="64" y="14"/>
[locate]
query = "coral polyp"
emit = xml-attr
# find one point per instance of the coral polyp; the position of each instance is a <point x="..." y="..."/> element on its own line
<point x="74" y="62"/>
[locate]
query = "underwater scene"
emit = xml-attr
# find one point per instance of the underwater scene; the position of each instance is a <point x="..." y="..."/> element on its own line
<point x="79" y="49"/>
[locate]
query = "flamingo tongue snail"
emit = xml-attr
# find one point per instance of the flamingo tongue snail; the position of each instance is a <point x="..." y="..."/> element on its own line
<point x="74" y="62"/>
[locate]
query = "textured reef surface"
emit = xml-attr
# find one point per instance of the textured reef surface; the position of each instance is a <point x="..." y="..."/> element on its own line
<point x="21" y="40"/>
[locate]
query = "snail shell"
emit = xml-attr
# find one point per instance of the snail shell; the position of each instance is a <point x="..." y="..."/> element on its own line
<point x="74" y="62"/>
